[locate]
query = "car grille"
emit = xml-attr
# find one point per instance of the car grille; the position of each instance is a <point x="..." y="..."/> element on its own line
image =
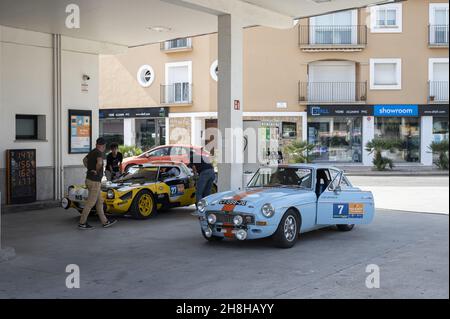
<point x="224" y="218"/>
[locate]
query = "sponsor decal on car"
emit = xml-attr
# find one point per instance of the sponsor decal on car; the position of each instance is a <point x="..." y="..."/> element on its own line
<point x="348" y="210"/>
<point x="233" y="202"/>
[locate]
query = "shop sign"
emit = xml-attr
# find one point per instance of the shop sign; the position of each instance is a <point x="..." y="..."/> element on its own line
<point x="396" y="110"/>
<point x="147" y="112"/>
<point x="340" y="110"/>
<point x="439" y="110"/>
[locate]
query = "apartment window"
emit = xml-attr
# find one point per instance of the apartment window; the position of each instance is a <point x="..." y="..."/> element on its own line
<point x="386" y="18"/>
<point x="385" y="74"/>
<point x="30" y="127"/>
<point x="439" y="16"/>
<point x="438" y="79"/>
<point x="335" y="28"/>
<point x="182" y="43"/>
<point x="178" y="87"/>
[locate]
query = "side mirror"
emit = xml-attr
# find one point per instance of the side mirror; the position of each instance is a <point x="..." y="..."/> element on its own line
<point x="338" y="190"/>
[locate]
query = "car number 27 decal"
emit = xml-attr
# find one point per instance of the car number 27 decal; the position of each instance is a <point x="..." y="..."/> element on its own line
<point x="348" y="210"/>
<point x="176" y="190"/>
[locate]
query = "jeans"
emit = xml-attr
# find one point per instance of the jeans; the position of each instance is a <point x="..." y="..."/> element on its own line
<point x="94" y="199"/>
<point x="204" y="184"/>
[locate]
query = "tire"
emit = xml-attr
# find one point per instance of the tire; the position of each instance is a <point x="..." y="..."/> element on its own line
<point x="287" y="233"/>
<point x="345" y="228"/>
<point x="143" y="206"/>
<point x="212" y="238"/>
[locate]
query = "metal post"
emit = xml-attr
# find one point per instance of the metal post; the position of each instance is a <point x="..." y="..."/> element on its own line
<point x="6" y="253"/>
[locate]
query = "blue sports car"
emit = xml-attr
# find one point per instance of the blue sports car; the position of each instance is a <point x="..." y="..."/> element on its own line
<point x="282" y="202"/>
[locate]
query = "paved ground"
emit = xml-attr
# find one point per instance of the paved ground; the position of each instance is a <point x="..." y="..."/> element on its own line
<point x="167" y="258"/>
<point x="413" y="193"/>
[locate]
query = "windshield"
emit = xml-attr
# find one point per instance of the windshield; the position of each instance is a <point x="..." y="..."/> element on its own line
<point x="139" y="175"/>
<point x="282" y="177"/>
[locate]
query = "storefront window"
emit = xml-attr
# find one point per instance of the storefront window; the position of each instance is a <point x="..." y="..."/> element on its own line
<point x="112" y="131"/>
<point x="440" y="129"/>
<point x="406" y="130"/>
<point x="336" y="139"/>
<point x="150" y="133"/>
<point x="289" y="130"/>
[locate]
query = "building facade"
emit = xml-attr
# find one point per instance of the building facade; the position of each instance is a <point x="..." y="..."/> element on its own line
<point x="336" y="81"/>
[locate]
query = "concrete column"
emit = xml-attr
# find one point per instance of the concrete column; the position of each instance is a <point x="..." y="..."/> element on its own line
<point x="426" y="137"/>
<point x="368" y="134"/>
<point x="196" y="131"/>
<point x="167" y="130"/>
<point x="230" y="89"/>
<point x="129" y="132"/>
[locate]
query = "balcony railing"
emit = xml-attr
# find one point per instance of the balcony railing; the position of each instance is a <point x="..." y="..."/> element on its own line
<point x="177" y="93"/>
<point x="438" y="35"/>
<point x="438" y="91"/>
<point x="177" y="44"/>
<point x="332" y="92"/>
<point x="332" y="37"/>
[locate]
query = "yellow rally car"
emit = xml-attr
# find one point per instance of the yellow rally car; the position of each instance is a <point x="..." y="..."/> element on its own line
<point x="142" y="191"/>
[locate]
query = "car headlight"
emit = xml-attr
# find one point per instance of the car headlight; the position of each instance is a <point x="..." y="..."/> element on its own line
<point x="110" y="194"/>
<point x="201" y="206"/>
<point x="267" y="210"/>
<point x="65" y="203"/>
<point x="238" y="220"/>
<point x="212" y="219"/>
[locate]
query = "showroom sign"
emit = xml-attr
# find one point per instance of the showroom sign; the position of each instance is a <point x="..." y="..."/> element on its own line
<point x="396" y="110"/>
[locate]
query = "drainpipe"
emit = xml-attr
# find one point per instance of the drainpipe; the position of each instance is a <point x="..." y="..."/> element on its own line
<point x="57" y="119"/>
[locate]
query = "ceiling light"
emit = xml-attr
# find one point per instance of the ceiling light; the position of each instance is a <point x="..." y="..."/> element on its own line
<point x="159" y="29"/>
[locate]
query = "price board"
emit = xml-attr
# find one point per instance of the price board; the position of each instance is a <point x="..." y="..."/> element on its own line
<point x="21" y="176"/>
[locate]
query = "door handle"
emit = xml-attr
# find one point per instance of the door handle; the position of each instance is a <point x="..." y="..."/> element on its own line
<point x="367" y="197"/>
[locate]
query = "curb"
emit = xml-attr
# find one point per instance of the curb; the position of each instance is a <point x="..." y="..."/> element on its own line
<point x="8" y="209"/>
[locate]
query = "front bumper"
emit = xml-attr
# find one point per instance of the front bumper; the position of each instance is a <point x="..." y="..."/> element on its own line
<point x="224" y="227"/>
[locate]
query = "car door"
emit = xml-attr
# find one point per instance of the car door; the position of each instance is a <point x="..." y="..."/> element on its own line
<point x="341" y="203"/>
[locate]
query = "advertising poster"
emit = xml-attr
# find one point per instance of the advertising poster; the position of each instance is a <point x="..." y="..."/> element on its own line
<point x="80" y="132"/>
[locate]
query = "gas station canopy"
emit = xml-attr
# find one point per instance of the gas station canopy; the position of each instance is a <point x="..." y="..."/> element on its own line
<point x="139" y="22"/>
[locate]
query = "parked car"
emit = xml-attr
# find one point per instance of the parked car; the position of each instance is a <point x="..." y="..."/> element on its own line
<point x="282" y="202"/>
<point x="142" y="191"/>
<point x="175" y="153"/>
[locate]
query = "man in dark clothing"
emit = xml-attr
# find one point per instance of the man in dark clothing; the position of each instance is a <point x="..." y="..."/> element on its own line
<point x="94" y="164"/>
<point x="113" y="163"/>
<point x="202" y="166"/>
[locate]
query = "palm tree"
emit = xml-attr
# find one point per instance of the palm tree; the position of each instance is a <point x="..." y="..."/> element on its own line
<point x="440" y="149"/>
<point x="298" y="152"/>
<point x="377" y="146"/>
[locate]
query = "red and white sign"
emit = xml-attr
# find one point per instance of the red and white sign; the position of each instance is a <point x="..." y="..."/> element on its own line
<point x="237" y="105"/>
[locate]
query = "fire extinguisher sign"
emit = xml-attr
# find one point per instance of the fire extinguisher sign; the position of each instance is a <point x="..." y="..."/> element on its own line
<point x="237" y="105"/>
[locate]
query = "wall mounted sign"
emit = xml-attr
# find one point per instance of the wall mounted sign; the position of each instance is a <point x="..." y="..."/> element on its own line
<point x="237" y="105"/>
<point x="147" y="112"/>
<point x="21" y="176"/>
<point x="145" y="76"/>
<point x="80" y="131"/>
<point x="396" y="110"/>
<point x="340" y="110"/>
<point x="440" y="110"/>
<point x="282" y="105"/>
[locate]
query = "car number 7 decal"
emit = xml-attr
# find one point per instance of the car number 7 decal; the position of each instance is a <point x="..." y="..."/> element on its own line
<point x="340" y="210"/>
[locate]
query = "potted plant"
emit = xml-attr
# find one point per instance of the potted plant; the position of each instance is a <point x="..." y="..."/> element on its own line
<point x="440" y="149"/>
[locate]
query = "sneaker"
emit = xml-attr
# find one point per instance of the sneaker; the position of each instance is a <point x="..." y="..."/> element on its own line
<point x="109" y="223"/>
<point x="85" y="226"/>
